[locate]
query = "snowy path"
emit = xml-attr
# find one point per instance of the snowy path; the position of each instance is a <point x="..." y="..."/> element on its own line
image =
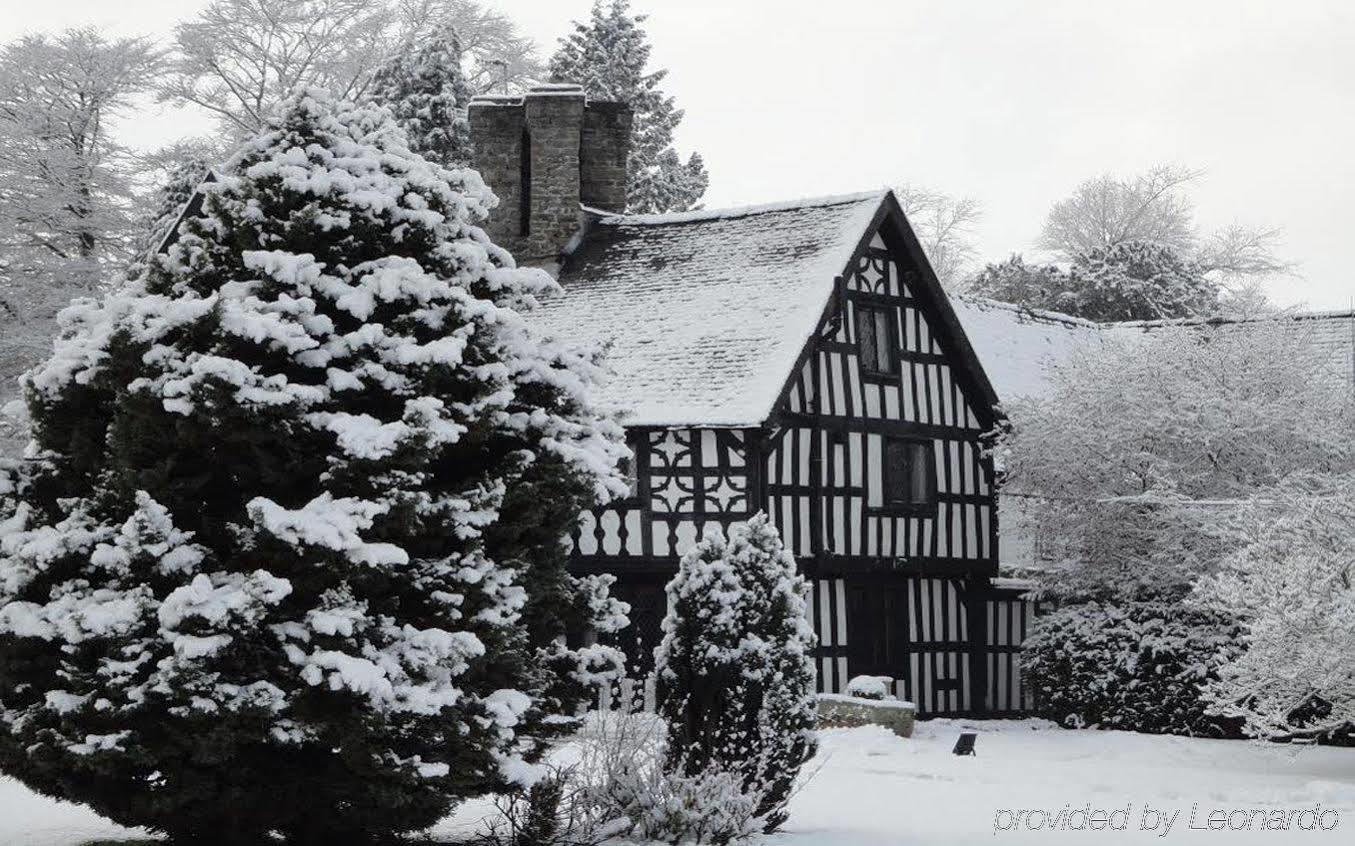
<point x="875" y="789"/>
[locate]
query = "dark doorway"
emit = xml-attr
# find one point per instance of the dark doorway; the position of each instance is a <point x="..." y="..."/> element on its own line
<point x="645" y="595"/>
<point x="877" y="629"/>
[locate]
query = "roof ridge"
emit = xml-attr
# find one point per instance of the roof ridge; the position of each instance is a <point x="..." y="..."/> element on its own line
<point x="1040" y="314"/>
<point x="1050" y="316"/>
<point x="612" y="218"/>
<point x="1283" y="314"/>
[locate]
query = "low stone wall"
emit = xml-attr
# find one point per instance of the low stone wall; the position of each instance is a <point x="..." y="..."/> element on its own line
<point x="839" y="711"/>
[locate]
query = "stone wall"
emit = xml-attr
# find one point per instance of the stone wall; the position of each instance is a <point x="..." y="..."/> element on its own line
<point x="545" y="154"/>
<point x="606" y="147"/>
<point x="496" y="126"/>
<point x="839" y="711"/>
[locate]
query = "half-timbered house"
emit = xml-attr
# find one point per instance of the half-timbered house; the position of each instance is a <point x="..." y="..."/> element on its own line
<point x="799" y="359"/>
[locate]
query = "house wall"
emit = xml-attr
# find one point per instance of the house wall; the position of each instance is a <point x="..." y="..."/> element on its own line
<point x="838" y="419"/>
<point x="894" y="593"/>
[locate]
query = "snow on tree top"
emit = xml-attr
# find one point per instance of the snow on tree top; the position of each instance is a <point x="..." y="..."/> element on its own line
<point x="705" y="313"/>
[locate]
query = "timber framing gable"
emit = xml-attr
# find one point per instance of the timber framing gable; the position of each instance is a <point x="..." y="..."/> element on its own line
<point x="891" y="224"/>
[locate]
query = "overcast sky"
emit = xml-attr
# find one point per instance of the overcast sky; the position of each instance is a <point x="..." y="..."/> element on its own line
<point x="1013" y="103"/>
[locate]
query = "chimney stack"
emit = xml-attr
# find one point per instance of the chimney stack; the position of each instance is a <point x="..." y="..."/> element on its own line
<point x="545" y="154"/>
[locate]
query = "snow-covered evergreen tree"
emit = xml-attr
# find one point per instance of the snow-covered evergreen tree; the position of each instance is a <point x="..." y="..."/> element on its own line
<point x="1137" y="280"/>
<point x="734" y="669"/>
<point x="608" y="56"/>
<point x="1037" y="286"/>
<point x="1292" y="583"/>
<point x="271" y="565"/>
<point x="1131" y="280"/>
<point x="425" y="88"/>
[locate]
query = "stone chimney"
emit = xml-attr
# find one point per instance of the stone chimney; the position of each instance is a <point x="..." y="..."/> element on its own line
<point x="546" y="154"/>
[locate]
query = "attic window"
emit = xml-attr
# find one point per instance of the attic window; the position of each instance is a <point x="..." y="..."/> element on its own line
<point x="909" y="475"/>
<point x="877" y="340"/>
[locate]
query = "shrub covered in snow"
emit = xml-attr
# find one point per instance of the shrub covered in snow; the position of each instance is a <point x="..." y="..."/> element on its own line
<point x="708" y="806"/>
<point x="869" y="687"/>
<point x="1138" y="666"/>
<point x="615" y="784"/>
<point x="287" y="555"/>
<point x="734" y="670"/>
<point x="1292" y="583"/>
<point x="1127" y="467"/>
<point x="1130" y="280"/>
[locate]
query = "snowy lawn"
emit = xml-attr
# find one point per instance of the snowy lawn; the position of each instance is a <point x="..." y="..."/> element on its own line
<point x="875" y="789"/>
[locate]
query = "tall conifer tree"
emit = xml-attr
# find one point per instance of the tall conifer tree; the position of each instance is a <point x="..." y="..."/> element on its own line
<point x="274" y="566"/>
<point x="608" y="56"/>
<point x="426" y="90"/>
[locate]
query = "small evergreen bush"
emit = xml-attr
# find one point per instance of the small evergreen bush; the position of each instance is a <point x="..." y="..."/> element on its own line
<point x="734" y="669"/>
<point x="1137" y="666"/>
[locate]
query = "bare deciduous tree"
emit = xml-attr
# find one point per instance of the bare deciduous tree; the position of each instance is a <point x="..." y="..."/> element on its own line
<point x="1106" y="211"/>
<point x="238" y="58"/>
<point x="65" y="192"/>
<point x="499" y="57"/>
<point x="1153" y="208"/>
<point x="1237" y="252"/>
<point x="945" y="226"/>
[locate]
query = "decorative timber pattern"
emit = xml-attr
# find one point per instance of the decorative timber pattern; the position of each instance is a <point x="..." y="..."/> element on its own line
<point x="684" y="479"/>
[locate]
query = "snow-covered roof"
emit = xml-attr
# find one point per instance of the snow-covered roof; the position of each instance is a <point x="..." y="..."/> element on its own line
<point x="706" y="312"/>
<point x="1017" y="345"/>
<point x="1331" y="334"/>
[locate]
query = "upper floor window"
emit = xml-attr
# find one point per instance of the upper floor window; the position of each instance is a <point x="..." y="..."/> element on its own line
<point x="877" y="339"/>
<point x="909" y="474"/>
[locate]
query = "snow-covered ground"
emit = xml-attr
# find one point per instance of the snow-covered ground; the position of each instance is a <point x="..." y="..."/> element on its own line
<point x="875" y="789"/>
<point x="27" y="819"/>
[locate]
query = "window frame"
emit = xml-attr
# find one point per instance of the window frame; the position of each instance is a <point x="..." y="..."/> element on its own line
<point x="888" y="483"/>
<point x="862" y="308"/>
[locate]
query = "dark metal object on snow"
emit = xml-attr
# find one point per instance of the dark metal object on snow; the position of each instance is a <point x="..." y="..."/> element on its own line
<point x="965" y="745"/>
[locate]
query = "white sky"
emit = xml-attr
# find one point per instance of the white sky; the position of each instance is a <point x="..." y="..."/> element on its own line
<point x="1011" y="102"/>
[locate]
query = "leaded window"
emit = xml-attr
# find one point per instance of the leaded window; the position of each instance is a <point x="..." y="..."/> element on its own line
<point x="877" y="339"/>
<point x="909" y="475"/>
